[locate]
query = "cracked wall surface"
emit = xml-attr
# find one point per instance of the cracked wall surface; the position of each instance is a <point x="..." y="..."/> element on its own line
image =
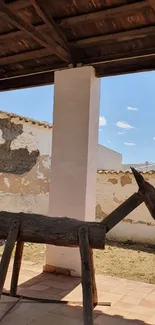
<point x="113" y="188"/>
<point x="25" y="160"/>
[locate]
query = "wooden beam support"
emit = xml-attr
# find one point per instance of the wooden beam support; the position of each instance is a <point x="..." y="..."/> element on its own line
<point x="86" y="276"/>
<point x="103" y="14"/>
<point x="33" y="71"/>
<point x="120" y="57"/>
<point x="33" y="80"/>
<point x="47" y="18"/>
<point x="30" y="31"/>
<point x="22" y="57"/>
<point x="8" y="249"/>
<point x="16" y="268"/>
<point x="116" y="37"/>
<point x="18" y="34"/>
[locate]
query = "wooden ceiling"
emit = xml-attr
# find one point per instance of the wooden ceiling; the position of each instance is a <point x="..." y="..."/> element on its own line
<point x="38" y="37"/>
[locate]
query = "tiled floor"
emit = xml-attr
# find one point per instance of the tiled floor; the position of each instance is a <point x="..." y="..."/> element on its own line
<point x="132" y="302"/>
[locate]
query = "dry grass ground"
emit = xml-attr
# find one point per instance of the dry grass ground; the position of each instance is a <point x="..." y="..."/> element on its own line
<point x="130" y="261"/>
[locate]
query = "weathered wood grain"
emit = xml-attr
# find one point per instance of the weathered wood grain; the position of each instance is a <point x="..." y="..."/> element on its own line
<point x="86" y="276"/>
<point x="57" y="231"/>
<point x="9" y="246"/>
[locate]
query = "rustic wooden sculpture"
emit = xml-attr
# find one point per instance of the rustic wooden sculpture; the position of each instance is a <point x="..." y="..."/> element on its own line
<point x="22" y="227"/>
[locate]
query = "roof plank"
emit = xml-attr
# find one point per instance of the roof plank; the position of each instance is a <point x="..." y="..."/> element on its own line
<point x="31" y="32"/>
<point x="28" y="55"/>
<point x="27" y="81"/>
<point x="103" y="14"/>
<point x="117" y="37"/>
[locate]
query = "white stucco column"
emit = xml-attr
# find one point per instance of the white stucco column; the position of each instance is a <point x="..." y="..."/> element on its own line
<point x="74" y="155"/>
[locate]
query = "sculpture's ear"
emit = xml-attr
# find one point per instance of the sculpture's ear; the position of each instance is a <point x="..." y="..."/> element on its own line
<point x="138" y="177"/>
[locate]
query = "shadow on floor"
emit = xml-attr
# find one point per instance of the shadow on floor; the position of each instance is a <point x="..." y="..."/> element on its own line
<point x="33" y="313"/>
<point x="50" y="286"/>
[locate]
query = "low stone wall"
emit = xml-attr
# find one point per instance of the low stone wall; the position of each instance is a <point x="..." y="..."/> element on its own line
<point x="114" y="188"/>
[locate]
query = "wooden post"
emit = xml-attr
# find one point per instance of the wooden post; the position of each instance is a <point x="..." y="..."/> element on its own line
<point x="16" y="268"/>
<point x="94" y="288"/>
<point x="9" y="246"/>
<point x="86" y="276"/>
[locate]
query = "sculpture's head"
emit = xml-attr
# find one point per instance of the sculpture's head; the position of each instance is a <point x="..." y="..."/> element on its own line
<point x="146" y="190"/>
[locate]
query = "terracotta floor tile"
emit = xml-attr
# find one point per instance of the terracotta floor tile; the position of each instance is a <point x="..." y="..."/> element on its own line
<point x="151" y="321"/>
<point x="108" y="296"/>
<point x="143" y="310"/>
<point x="147" y="303"/>
<point x="105" y="287"/>
<point x="116" y="312"/>
<point x="138" y="294"/>
<point x="59" y="285"/>
<point x="55" y="319"/>
<point x="111" y="320"/>
<point x="137" y="317"/>
<point x="146" y="288"/>
<point x="69" y="311"/>
<point x="132" y="303"/>
<point x="121" y="290"/>
<point x="131" y="300"/>
<point x="123" y="306"/>
<point x="39" y="287"/>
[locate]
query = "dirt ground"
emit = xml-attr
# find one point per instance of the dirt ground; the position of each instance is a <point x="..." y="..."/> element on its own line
<point x="130" y="261"/>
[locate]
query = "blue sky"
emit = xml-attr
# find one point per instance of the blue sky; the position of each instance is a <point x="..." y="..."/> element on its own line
<point x="127" y="113"/>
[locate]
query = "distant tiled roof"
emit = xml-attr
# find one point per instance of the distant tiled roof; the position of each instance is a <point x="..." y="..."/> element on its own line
<point x="102" y="171"/>
<point x="27" y="119"/>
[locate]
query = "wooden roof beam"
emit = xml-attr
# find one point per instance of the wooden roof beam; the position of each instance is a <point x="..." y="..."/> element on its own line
<point x="33" y="71"/>
<point x="116" y="37"/>
<point x="17" y="34"/>
<point x="30" y="31"/>
<point x="28" y="55"/>
<point x="103" y="14"/>
<point x="120" y="57"/>
<point x="26" y="82"/>
<point x="47" y="18"/>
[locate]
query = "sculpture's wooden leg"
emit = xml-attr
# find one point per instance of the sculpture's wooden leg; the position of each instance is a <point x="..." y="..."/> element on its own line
<point x="16" y="268"/>
<point x="86" y="276"/>
<point x="94" y="288"/>
<point x="9" y="246"/>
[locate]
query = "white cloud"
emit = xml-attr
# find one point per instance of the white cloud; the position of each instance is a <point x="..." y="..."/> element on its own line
<point x="102" y="121"/>
<point x="132" y="108"/>
<point x="121" y="132"/>
<point x="109" y="141"/>
<point x="124" y="125"/>
<point x="130" y="143"/>
<point x="153" y="138"/>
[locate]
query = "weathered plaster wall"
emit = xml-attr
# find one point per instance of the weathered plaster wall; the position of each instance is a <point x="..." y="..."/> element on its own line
<point x="25" y="150"/>
<point x="112" y="190"/>
<point x="25" y="160"/>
